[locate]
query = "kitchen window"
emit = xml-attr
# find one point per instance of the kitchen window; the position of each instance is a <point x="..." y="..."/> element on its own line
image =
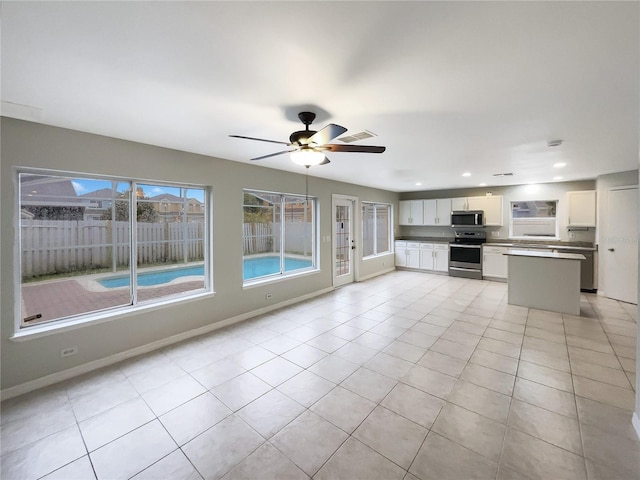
<point x="376" y="229"/>
<point x="279" y="235"/>
<point x="534" y="219"/>
<point x="91" y="245"/>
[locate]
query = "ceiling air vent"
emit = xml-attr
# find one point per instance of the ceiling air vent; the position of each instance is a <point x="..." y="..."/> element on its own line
<point x="357" y="136"/>
<point x="508" y="174"/>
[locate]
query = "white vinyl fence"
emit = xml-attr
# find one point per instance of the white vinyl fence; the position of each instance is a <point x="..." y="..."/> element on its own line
<point x="264" y="238"/>
<point x="57" y="246"/>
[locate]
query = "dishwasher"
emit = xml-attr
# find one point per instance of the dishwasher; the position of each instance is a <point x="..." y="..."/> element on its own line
<point x="587" y="268"/>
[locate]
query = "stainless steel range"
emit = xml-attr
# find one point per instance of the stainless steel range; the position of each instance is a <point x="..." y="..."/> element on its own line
<point x="465" y="253"/>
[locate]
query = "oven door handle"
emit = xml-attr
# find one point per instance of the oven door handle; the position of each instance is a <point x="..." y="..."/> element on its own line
<point x="460" y="269"/>
<point x="458" y="245"/>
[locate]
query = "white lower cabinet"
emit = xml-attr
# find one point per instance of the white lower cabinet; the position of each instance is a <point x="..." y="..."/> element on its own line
<point x="494" y="262"/>
<point x="423" y="255"/>
<point x="407" y="254"/>
<point x="401" y="253"/>
<point x="441" y="257"/>
<point x="413" y="254"/>
<point x="426" y="256"/>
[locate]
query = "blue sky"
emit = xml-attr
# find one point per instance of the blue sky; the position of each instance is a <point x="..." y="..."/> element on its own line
<point x="83" y="186"/>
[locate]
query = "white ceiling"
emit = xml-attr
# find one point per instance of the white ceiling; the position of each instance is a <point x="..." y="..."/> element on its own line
<point x="448" y="87"/>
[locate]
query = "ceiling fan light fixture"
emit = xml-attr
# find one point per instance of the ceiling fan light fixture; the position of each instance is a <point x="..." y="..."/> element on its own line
<point x="307" y="157"/>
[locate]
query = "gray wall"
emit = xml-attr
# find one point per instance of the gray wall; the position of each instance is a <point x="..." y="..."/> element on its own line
<point x="543" y="191"/>
<point x="33" y="145"/>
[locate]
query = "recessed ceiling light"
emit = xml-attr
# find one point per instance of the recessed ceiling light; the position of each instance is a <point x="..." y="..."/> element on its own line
<point x="483" y="184"/>
<point x="466" y="174"/>
<point x="559" y="165"/>
<point x="418" y="184"/>
<point x="557" y="178"/>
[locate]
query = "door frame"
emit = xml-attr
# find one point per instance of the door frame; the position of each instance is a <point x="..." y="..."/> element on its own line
<point x="355" y="235"/>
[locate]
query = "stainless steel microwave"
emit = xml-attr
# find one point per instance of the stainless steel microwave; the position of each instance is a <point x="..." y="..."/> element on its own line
<point x="467" y="218"/>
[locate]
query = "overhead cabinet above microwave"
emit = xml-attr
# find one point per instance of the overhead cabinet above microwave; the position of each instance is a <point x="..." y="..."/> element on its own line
<point x="437" y="212"/>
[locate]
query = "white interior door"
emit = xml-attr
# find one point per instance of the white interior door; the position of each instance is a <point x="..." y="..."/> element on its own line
<point x="343" y="241"/>
<point x="619" y="256"/>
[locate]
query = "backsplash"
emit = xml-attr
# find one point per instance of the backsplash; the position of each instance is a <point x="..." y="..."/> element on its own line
<point x="494" y="233"/>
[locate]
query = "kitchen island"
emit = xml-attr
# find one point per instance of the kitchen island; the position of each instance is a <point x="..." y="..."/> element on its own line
<point x="544" y="280"/>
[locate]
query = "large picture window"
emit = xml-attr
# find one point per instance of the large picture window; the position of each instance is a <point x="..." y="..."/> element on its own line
<point x="376" y="229"/>
<point x="534" y="218"/>
<point x="90" y="244"/>
<point x="279" y="235"/>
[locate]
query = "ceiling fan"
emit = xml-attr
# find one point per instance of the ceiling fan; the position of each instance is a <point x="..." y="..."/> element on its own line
<point x="309" y="145"/>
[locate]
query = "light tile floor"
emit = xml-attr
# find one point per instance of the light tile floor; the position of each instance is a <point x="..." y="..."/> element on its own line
<point x="408" y="376"/>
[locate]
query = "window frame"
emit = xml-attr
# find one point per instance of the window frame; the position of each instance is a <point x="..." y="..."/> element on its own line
<point x="556" y="235"/>
<point x="22" y="330"/>
<point x="315" y="225"/>
<point x="376" y="253"/>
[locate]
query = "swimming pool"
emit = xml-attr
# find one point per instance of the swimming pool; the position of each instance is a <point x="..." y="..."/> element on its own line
<point x="252" y="268"/>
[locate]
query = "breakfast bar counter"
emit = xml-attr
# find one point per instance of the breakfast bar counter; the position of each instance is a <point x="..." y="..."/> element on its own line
<point x="544" y="280"/>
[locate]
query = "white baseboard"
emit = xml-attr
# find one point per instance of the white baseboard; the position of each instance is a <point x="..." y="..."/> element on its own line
<point x="372" y="275"/>
<point x="118" y="357"/>
<point x="635" y="421"/>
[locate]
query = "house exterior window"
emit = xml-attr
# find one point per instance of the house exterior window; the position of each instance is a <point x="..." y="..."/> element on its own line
<point x="534" y="219"/>
<point x="279" y="235"/>
<point x="376" y="229"/>
<point x="90" y="245"/>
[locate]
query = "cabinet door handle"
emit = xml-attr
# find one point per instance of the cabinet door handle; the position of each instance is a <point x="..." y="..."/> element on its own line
<point x="612" y="249"/>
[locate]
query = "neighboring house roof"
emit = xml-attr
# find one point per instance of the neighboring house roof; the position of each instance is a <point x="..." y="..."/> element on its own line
<point x="103" y="193"/>
<point x="50" y="191"/>
<point x="168" y="197"/>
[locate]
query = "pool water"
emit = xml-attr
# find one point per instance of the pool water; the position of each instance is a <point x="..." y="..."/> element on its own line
<point x="252" y="268"/>
<point x="261" y="266"/>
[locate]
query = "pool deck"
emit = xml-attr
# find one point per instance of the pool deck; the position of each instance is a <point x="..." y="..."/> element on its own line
<point x="63" y="298"/>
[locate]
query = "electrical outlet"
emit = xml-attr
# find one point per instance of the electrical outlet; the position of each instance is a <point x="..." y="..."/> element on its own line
<point x="67" y="352"/>
<point x="495" y="233"/>
<point x="268" y="296"/>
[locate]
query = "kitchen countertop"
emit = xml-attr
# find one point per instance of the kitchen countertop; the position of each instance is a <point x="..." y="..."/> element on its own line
<point x="574" y="246"/>
<point x="555" y="255"/>
<point x="577" y="246"/>
<point x="425" y="239"/>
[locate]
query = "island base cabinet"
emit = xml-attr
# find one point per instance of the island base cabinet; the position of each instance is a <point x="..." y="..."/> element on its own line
<point x="544" y="283"/>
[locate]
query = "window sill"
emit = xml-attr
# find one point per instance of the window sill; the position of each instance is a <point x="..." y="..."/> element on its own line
<point x="279" y="278"/>
<point x="62" y="326"/>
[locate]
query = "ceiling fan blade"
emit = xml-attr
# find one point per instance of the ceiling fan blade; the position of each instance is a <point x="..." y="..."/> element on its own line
<point x="259" y="139"/>
<point x="327" y="134"/>
<point x="325" y="161"/>
<point x="273" y="154"/>
<point x="353" y="148"/>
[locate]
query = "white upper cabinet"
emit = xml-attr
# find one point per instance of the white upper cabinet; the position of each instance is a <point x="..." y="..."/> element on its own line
<point x="491" y="205"/>
<point x="437" y="212"/>
<point x="460" y="203"/>
<point x="411" y="212"/>
<point x="582" y="208"/>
